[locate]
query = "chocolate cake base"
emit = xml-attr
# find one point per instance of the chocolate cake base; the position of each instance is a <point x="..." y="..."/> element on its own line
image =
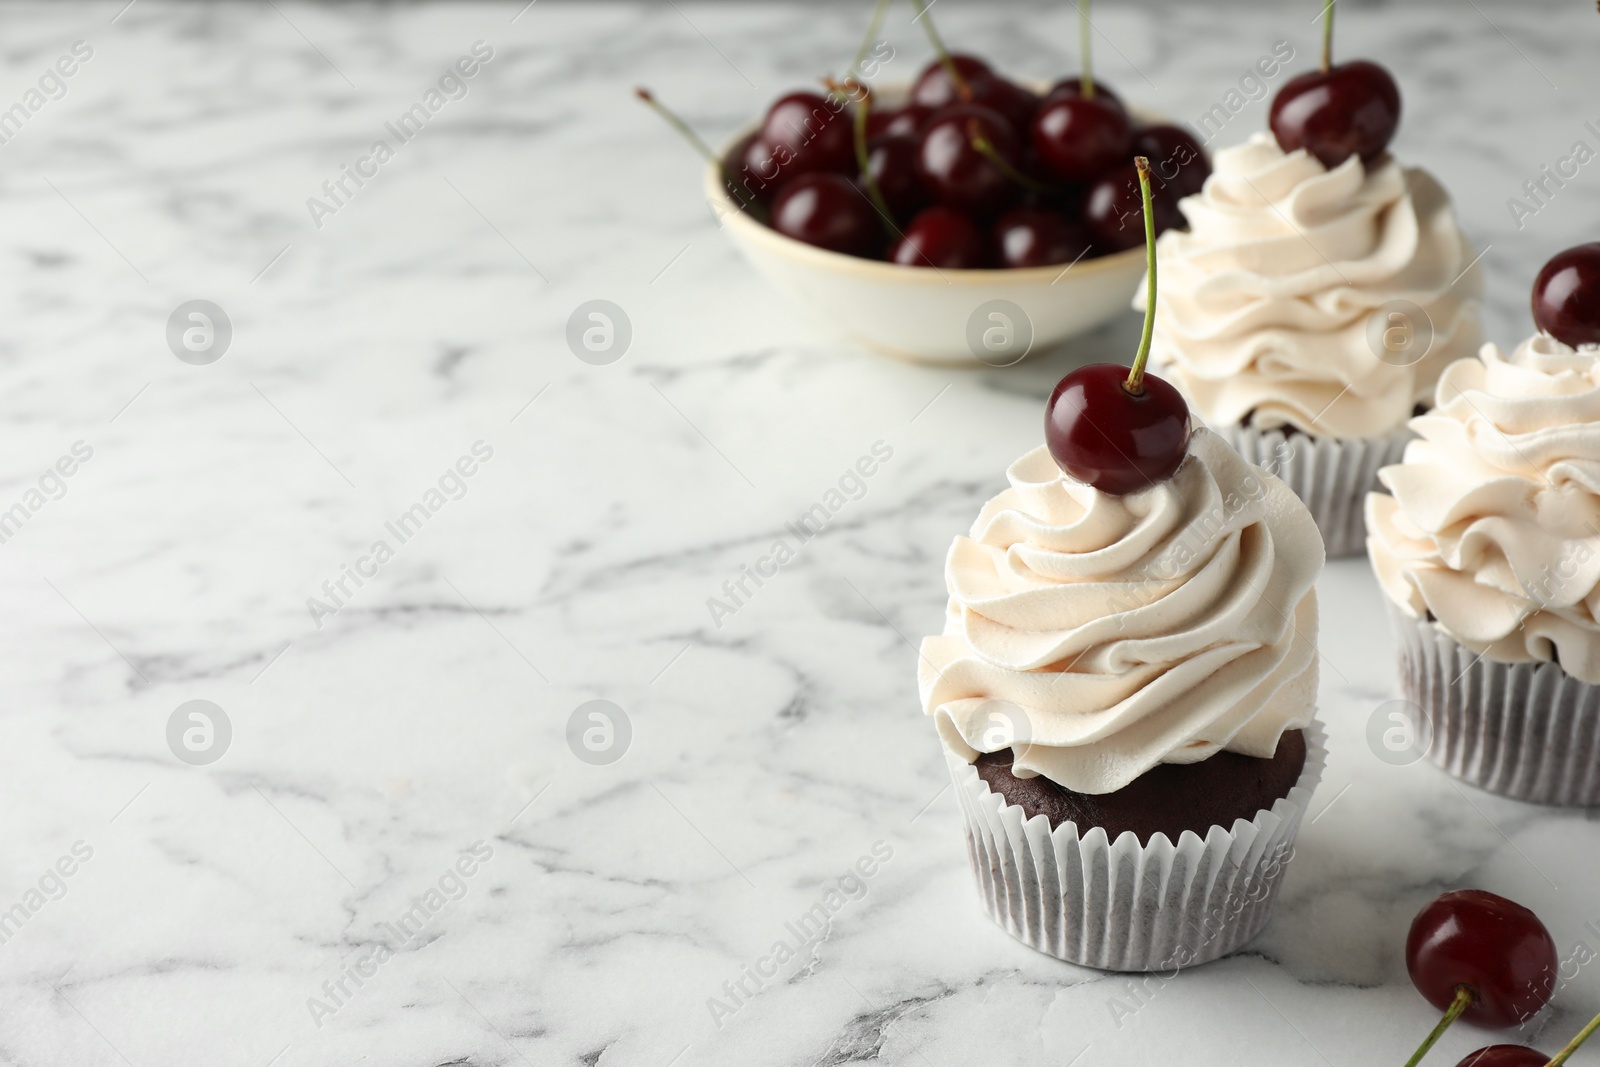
<point x="1167" y="799"/>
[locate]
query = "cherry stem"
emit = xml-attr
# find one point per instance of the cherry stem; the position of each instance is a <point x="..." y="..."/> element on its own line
<point x="863" y="161"/>
<point x="872" y="32"/>
<point x="1464" y="997"/>
<point x="1086" y="79"/>
<point x="963" y="90"/>
<point x="1572" y="1046"/>
<point x="696" y="143"/>
<point x="1135" y="382"/>
<point x="1327" y="36"/>
<point x="984" y="148"/>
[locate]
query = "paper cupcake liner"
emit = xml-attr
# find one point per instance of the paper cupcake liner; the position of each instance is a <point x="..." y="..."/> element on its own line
<point x="1522" y="730"/>
<point x="1332" y="475"/>
<point x="1122" y="906"/>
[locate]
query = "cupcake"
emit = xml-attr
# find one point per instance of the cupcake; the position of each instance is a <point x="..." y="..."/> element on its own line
<point x="1125" y="683"/>
<point x="1312" y="304"/>
<point x="1487" y="546"/>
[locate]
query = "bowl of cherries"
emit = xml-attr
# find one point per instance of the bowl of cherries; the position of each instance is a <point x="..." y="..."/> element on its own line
<point x="966" y="217"/>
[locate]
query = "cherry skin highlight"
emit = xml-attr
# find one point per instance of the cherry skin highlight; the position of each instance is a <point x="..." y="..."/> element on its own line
<point x="1079" y="138"/>
<point x="1353" y="109"/>
<point x="1117" y="441"/>
<point x="955" y="172"/>
<point x="1034" y="237"/>
<point x="827" y="210"/>
<point x="808" y="134"/>
<point x="1493" y="946"/>
<point x="1566" y="296"/>
<point x="944" y="238"/>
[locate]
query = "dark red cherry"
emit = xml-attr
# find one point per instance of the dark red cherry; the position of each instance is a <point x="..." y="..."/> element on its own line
<point x="1074" y="87"/>
<point x="1117" y="441"/>
<point x="1008" y="98"/>
<point x="1566" y="296"/>
<point x="809" y="134"/>
<point x="933" y="88"/>
<point x="751" y="166"/>
<point x="1177" y="162"/>
<point x="1505" y="1056"/>
<point x="1352" y="109"/>
<point x="827" y="210"/>
<point x="906" y="119"/>
<point x="1079" y="138"/>
<point x="954" y="172"/>
<point x="1113" y="211"/>
<point x="892" y="162"/>
<point x="1494" y="947"/>
<point x="1034" y="237"/>
<point x="944" y="238"/>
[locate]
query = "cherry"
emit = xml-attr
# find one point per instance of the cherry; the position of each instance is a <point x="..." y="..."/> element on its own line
<point x="1074" y="87"/>
<point x="809" y="134"/>
<point x="827" y="210"/>
<point x="907" y="119"/>
<point x="1034" y="237"/>
<point x="1078" y="137"/>
<point x="1339" y="111"/>
<point x="1481" y="957"/>
<point x="952" y="168"/>
<point x="1349" y="110"/>
<point x="1113" y="211"/>
<point x="1120" y="431"/>
<point x="892" y="162"/>
<point x="756" y="170"/>
<point x="1176" y="159"/>
<point x="933" y="88"/>
<point x="943" y="238"/>
<point x="1505" y="1056"/>
<point x="1566" y="296"/>
<point x="1013" y="101"/>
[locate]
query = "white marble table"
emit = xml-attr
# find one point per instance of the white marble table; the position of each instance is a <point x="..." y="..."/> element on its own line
<point x="377" y="740"/>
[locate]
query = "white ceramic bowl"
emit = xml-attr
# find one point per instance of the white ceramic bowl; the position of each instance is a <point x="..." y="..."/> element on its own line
<point x="935" y="316"/>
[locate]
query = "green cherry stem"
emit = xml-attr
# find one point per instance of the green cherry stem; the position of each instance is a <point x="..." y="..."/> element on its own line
<point x="873" y="27"/>
<point x="1572" y="1046"/>
<point x="981" y="145"/>
<point x="1135" y="382"/>
<point x="863" y="160"/>
<point x="695" y="142"/>
<point x="1452" y="1013"/>
<point x="963" y="90"/>
<point x="1327" y="36"/>
<point x="1086" y="79"/>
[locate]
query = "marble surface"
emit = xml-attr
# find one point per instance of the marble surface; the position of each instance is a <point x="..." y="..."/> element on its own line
<point x="424" y="717"/>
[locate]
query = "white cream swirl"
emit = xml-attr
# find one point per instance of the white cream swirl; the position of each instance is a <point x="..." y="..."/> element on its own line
<point x="1263" y="304"/>
<point x="1494" y="522"/>
<point x="1100" y="635"/>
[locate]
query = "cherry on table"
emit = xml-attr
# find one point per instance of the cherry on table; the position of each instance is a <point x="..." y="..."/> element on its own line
<point x="1505" y="1056"/>
<point x="1352" y="109"/>
<point x="1113" y="211"/>
<point x="1494" y="948"/>
<point x="827" y="210"/>
<point x="1035" y="237"/>
<point x="1079" y="138"/>
<point x="941" y="237"/>
<point x="809" y="134"/>
<point x="952" y="169"/>
<point x="1566" y="296"/>
<point x="1177" y="161"/>
<point x="892" y="162"/>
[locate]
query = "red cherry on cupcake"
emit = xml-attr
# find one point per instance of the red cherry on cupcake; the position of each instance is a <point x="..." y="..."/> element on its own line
<point x="1079" y="137"/>
<point x="1481" y="957"/>
<point x="1566" y="296"/>
<point x="827" y="210"/>
<point x="1339" y="111"/>
<point x="1035" y="237"/>
<point x="955" y="171"/>
<point x="941" y="237"/>
<point x="1120" y="431"/>
<point x="1505" y="1056"/>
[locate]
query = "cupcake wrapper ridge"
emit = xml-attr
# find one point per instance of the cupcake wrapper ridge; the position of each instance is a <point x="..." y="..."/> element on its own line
<point x="1122" y="906"/>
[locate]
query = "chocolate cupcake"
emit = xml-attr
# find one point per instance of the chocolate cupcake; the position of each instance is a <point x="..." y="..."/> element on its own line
<point x="1125" y="691"/>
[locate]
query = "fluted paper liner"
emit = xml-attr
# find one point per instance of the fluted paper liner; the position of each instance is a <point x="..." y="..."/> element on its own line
<point x="1122" y="906"/>
<point x="1523" y="730"/>
<point x="1331" y="475"/>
